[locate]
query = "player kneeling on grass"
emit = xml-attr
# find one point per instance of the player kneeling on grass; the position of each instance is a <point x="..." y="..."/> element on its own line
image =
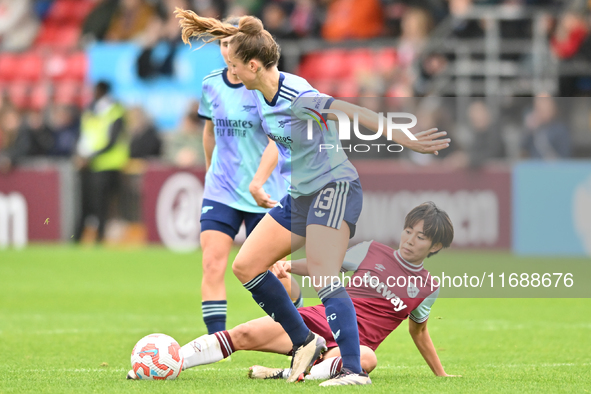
<point x="380" y="306"/>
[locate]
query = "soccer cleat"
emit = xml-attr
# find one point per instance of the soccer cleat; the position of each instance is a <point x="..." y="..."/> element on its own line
<point x="131" y="375"/>
<point x="225" y="360"/>
<point x="260" y="372"/>
<point x="305" y="355"/>
<point x="347" y="377"/>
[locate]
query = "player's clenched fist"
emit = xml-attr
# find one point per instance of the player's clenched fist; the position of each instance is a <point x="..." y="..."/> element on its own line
<point x="281" y="268"/>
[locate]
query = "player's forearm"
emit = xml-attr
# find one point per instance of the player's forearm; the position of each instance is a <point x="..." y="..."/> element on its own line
<point x="423" y="342"/>
<point x="299" y="267"/>
<point x="208" y="143"/>
<point x="372" y="121"/>
<point x="267" y="165"/>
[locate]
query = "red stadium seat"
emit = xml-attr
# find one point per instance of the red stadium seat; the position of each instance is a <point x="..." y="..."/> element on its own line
<point x="311" y="66"/>
<point x="323" y="86"/>
<point x="66" y="92"/>
<point x="18" y="93"/>
<point x="335" y="65"/>
<point x="30" y="67"/>
<point x="77" y="65"/>
<point x="69" y="11"/>
<point x="56" y="66"/>
<point x="58" y="36"/>
<point x="8" y="67"/>
<point x="40" y="96"/>
<point x="347" y="88"/>
<point x="386" y="59"/>
<point x="360" y="60"/>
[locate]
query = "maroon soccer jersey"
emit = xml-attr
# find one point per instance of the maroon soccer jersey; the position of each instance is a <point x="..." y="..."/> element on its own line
<point x="385" y="289"/>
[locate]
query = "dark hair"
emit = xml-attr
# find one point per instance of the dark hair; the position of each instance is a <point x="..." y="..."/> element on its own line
<point x="102" y="88"/>
<point x="437" y="225"/>
<point x="252" y="41"/>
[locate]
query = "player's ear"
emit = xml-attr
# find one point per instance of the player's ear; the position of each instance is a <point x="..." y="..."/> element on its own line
<point x="436" y="248"/>
<point x="253" y="65"/>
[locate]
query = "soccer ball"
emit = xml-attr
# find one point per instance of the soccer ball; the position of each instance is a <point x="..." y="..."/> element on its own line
<point x="157" y="357"/>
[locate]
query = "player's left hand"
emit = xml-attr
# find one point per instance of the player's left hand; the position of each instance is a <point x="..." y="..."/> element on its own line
<point x="281" y="268"/>
<point x="261" y="197"/>
<point x="428" y="142"/>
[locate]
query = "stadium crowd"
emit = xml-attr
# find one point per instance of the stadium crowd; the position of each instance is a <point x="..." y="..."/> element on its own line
<point x="49" y="123"/>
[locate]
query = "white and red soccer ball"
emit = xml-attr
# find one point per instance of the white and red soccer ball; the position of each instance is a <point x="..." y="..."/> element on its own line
<point x="157" y="357"/>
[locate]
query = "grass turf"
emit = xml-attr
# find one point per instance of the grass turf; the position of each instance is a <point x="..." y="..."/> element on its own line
<point x="69" y="318"/>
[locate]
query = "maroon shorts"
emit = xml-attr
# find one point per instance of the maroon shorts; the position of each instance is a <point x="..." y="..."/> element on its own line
<point x="315" y="319"/>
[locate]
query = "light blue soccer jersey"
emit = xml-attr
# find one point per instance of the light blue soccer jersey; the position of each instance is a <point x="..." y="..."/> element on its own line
<point x="285" y="120"/>
<point x="240" y="143"/>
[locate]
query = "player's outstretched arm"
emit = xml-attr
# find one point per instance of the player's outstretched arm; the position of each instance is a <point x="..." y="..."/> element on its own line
<point x="266" y="167"/>
<point x="428" y="141"/>
<point x="421" y="338"/>
<point x="208" y="142"/>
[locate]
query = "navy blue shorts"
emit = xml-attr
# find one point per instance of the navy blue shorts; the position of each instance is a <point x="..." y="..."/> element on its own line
<point x="221" y="217"/>
<point x="328" y="207"/>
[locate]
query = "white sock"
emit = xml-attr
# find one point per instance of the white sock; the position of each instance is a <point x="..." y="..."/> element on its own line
<point x="324" y="370"/>
<point x="204" y="350"/>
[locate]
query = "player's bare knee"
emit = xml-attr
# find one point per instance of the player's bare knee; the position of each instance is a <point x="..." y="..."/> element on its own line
<point x="241" y="271"/>
<point x="369" y="361"/>
<point x="242" y="336"/>
<point x="214" y="267"/>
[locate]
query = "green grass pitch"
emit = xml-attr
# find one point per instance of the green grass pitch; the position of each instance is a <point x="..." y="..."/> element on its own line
<point x="69" y="318"/>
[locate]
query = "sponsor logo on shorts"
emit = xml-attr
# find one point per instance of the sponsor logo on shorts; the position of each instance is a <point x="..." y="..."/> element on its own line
<point x="206" y="209"/>
<point x="319" y="214"/>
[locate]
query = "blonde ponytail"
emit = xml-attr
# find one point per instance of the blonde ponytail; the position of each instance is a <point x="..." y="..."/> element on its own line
<point x="250" y="39"/>
<point x="193" y="25"/>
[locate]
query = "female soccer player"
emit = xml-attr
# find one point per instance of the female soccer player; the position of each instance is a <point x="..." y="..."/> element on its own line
<point x="234" y="146"/>
<point x="324" y="193"/>
<point x="380" y="308"/>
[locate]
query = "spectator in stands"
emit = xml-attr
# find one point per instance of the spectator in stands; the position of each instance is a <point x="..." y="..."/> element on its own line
<point x="97" y="23"/>
<point x="184" y="147"/>
<point x="210" y="9"/>
<point x="416" y="25"/>
<point x="145" y="141"/>
<point x="163" y="28"/>
<point x="64" y="123"/>
<point x="276" y="22"/>
<point x="40" y="137"/>
<point x="463" y="27"/>
<point x="486" y="136"/>
<point x="130" y="21"/>
<point x="570" y="35"/>
<point x="305" y="18"/>
<point x="353" y="20"/>
<point x="546" y="135"/>
<point x="15" y="140"/>
<point x="431" y="112"/>
<point x="18" y="24"/>
<point x="102" y="153"/>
